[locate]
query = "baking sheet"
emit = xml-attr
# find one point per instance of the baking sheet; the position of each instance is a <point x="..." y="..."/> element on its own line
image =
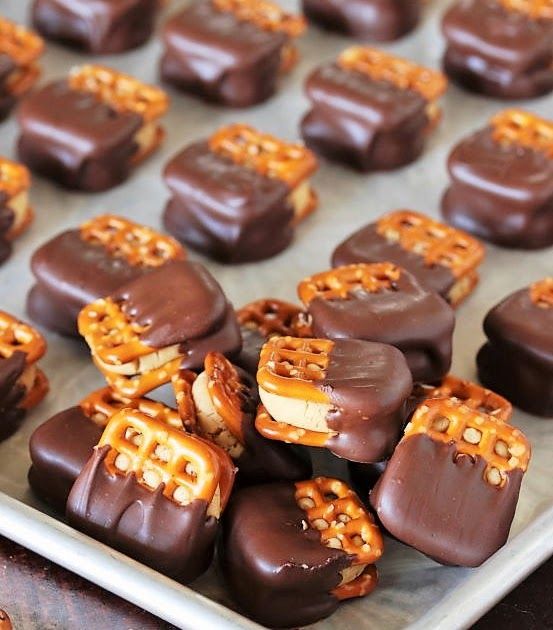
<point x="414" y="591"/>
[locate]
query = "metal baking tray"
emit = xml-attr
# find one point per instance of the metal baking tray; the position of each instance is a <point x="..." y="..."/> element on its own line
<point x="414" y="591"/>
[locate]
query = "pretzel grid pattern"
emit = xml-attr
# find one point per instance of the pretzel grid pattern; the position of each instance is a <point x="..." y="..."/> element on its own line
<point x="18" y="336"/>
<point x="437" y="243"/>
<point x="19" y="43"/>
<point x="404" y="74"/>
<point x="534" y="9"/>
<point x="518" y="127"/>
<point x="336" y="512"/>
<point x="264" y="153"/>
<point x="177" y="458"/>
<point x="14" y="177"/>
<point x="474" y="433"/>
<point x="541" y="293"/>
<point x="274" y="317"/>
<point x="120" y="91"/>
<point x="340" y="283"/>
<point x="265" y="15"/>
<point x="138" y="244"/>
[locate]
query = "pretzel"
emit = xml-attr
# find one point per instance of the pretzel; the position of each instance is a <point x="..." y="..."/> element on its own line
<point x="335" y="511"/>
<point x="20" y="44"/>
<point x="541" y="293"/>
<point x="18" y="336"/>
<point x="182" y="381"/>
<point x="360" y="587"/>
<point x="37" y="392"/>
<point x="474" y="433"/>
<point x="404" y="74"/>
<point x="5" y="623"/>
<point x="138" y="244"/>
<point x="275" y="317"/>
<point x="14" y="178"/>
<point x="120" y="91"/>
<point x="340" y="283"/>
<point x="534" y="9"/>
<point x="265" y="15"/>
<point x="284" y="432"/>
<point x="264" y="153"/>
<point x="521" y="128"/>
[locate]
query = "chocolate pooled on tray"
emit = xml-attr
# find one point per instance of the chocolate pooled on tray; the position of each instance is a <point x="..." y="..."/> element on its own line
<point x="501" y="48"/>
<point x="451" y="487"/>
<point x="153" y="492"/>
<point x="441" y="258"/>
<point x="291" y="552"/>
<point x="517" y="360"/>
<point x="230" y="51"/>
<point x="377" y="20"/>
<point x="110" y="123"/>
<point x="98" y="27"/>
<point x="158" y="323"/>
<point x="79" y="266"/>
<point x="502" y="181"/>
<point x="371" y="109"/>
<point x="382" y="302"/>
<point x="20" y="50"/>
<point x="237" y="196"/>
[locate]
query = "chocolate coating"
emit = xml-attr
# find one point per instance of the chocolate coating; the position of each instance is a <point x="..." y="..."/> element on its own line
<point x="417" y="321"/>
<point x="252" y="342"/>
<point x="370" y="125"/>
<point x="497" y="52"/>
<point x="517" y="361"/>
<point x="60" y="448"/>
<point x="379" y="20"/>
<point x="98" y="26"/>
<point x="11" y="394"/>
<point x="7" y="100"/>
<point x="6" y="221"/>
<point x="74" y="139"/>
<point x="219" y="58"/>
<point x="225" y="210"/>
<point x="175" y="540"/>
<point x="438" y="502"/>
<point x="367" y="246"/>
<point x="364" y="477"/>
<point x="502" y="193"/>
<point x="280" y="574"/>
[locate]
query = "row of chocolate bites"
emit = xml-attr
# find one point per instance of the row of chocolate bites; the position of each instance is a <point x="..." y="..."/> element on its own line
<point x="323" y="376"/>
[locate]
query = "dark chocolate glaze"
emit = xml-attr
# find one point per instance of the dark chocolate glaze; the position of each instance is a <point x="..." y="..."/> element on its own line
<point x="96" y="26"/>
<point x="415" y="320"/>
<point x="364" y="477"/>
<point x="225" y="210"/>
<point x="371" y="125"/>
<point x="11" y="394"/>
<point x="517" y="362"/>
<point x="367" y="246"/>
<point x="368" y="385"/>
<point x="6" y="221"/>
<point x="279" y="574"/>
<point x="76" y="140"/>
<point x="500" y="53"/>
<point x="219" y="58"/>
<point x="144" y="524"/>
<point x="49" y="311"/>
<point x="438" y="502"/>
<point x="252" y="342"/>
<point x="378" y="20"/>
<point x="502" y="193"/>
<point x="59" y="448"/>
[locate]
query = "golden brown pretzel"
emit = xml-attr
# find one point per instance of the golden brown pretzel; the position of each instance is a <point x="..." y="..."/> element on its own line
<point x="14" y="177"/>
<point x="37" y="392"/>
<point x="275" y="317"/>
<point x="361" y="586"/>
<point x="264" y="14"/>
<point x="474" y="433"/>
<point x="182" y="381"/>
<point x="541" y="293"/>
<point x="138" y="244"/>
<point x="18" y="336"/>
<point x="341" y="282"/>
<point x="20" y="44"/>
<point x="534" y="9"/>
<point x="519" y="127"/>
<point x="284" y="432"/>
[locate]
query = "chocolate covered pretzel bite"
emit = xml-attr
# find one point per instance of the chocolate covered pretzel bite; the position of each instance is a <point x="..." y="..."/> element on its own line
<point x="111" y="122"/>
<point x="230" y="51"/>
<point x="502" y="181"/>
<point x="237" y="196"/>
<point x="382" y="302"/>
<point x="16" y="213"/>
<point x="20" y="50"/>
<point x="154" y="492"/>
<point x="440" y="257"/>
<point x="291" y="552"/>
<point x="371" y="109"/>
<point x="346" y="395"/>
<point x="451" y="487"/>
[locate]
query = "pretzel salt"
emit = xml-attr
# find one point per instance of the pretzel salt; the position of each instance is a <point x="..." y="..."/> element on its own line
<point x="274" y="317"/>
<point x="335" y="511"/>
<point x="18" y="336"/>
<point x="266" y="15"/>
<point x="521" y="128"/>
<point x="340" y="283"/>
<point x="138" y="244"/>
<point x="534" y="9"/>
<point x="541" y="293"/>
<point x="474" y="433"/>
<point x="15" y="181"/>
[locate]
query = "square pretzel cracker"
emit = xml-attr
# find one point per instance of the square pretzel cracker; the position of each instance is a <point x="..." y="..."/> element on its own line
<point x="438" y="244"/>
<point x="291" y="163"/>
<point x="533" y="9"/>
<point x="24" y="48"/>
<point x="273" y="317"/>
<point x="521" y="128"/>
<point x="541" y="293"/>
<point x="15" y="181"/>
